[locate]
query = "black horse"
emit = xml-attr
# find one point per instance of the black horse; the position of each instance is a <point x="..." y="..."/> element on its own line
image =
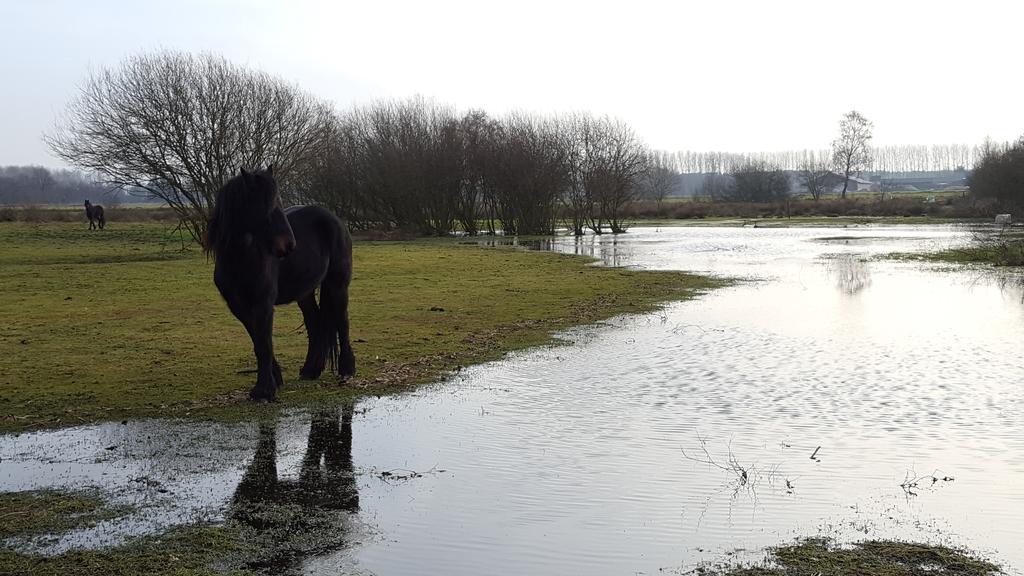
<point x="266" y="255"/>
<point x="94" y="212"/>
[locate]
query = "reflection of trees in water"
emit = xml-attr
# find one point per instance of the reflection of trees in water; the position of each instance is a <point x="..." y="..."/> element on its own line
<point x="851" y="273"/>
<point x="285" y="520"/>
<point x="594" y="246"/>
<point x="1012" y="286"/>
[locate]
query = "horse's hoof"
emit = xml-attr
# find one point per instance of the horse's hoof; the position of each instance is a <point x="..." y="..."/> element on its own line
<point x="348" y="369"/>
<point x="258" y="395"/>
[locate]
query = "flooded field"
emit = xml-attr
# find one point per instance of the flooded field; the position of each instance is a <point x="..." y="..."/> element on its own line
<point x="828" y="392"/>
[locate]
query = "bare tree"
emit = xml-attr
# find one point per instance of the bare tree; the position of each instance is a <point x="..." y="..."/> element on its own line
<point x="576" y="137"/>
<point x="477" y="131"/>
<point x="661" y="178"/>
<point x="179" y="125"/>
<point x="815" y="176"/>
<point x="758" y="181"/>
<point x="527" y="173"/>
<point x="606" y="163"/>
<point x="999" y="174"/>
<point x="851" y="151"/>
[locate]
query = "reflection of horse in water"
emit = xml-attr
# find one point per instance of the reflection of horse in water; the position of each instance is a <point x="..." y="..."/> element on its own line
<point x="292" y="518"/>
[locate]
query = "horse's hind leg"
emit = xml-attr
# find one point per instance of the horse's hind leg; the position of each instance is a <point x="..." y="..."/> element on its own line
<point x="348" y="357"/>
<point x="334" y="304"/>
<point x="316" y="352"/>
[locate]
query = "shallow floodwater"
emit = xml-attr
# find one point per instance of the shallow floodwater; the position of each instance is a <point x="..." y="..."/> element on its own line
<point x="827" y="393"/>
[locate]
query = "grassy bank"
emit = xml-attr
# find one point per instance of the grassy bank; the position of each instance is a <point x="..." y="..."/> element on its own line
<point x="996" y="254"/>
<point x="124" y="324"/>
<point x="871" y="558"/>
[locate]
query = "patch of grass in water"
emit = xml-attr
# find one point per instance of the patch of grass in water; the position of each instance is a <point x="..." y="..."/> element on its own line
<point x="823" y="557"/>
<point x="50" y="511"/>
<point x="191" y="551"/>
<point x="259" y="538"/>
<point x="1001" y="253"/>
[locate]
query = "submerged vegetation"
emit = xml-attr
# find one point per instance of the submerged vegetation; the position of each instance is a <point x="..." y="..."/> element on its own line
<point x="998" y="254"/>
<point x="1004" y="249"/>
<point x="191" y="551"/>
<point x="819" y="557"/>
<point x="49" y="511"/>
<point x="124" y="323"/>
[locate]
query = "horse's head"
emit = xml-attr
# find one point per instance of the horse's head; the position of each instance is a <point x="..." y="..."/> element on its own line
<point x="248" y="211"/>
<point x="87" y="203"/>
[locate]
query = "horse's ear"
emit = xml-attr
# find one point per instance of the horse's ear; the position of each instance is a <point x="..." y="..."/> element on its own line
<point x="243" y="173"/>
<point x="270" y="169"/>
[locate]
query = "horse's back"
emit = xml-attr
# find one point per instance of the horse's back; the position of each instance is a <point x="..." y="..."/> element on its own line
<point x="323" y="252"/>
<point x="328" y="228"/>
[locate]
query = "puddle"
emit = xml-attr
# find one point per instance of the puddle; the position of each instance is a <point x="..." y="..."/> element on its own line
<point x="650" y="442"/>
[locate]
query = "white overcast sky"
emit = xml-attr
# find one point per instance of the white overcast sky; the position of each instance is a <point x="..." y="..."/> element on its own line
<point x="710" y="75"/>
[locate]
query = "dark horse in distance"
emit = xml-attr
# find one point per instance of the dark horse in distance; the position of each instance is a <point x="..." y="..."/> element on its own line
<point x="94" y="212"/>
<point x="266" y="255"/>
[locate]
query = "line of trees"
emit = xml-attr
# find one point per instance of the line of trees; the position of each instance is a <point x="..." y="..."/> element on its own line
<point x="889" y="159"/>
<point x="419" y="165"/>
<point x="999" y="175"/>
<point x="23" y="185"/>
<point x="178" y="125"/>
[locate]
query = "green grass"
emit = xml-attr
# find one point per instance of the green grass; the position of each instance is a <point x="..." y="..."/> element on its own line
<point x="49" y="511"/>
<point x="1008" y="252"/>
<point x="191" y="551"/>
<point x="816" y="557"/>
<point x="124" y="324"/>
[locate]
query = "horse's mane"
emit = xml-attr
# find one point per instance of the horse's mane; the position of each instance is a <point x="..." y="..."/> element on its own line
<point x="242" y="196"/>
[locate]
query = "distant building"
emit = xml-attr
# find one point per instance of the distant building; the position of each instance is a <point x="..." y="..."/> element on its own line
<point x="834" y="184"/>
<point x="913" y="181"/>
<point x="856" y="185"/>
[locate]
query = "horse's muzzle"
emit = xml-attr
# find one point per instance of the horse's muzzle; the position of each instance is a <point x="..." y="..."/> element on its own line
<point x="283" y="246"/>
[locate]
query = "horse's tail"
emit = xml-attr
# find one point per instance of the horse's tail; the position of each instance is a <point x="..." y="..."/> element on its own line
<point x="334" y="303"/>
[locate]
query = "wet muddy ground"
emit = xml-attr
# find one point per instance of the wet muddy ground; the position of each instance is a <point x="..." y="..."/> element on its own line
<point x="830" y="393"/>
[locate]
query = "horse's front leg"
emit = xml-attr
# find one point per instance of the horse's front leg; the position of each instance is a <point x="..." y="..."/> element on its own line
<point x="318" y="348"/>
<point x="268" y="374"/>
